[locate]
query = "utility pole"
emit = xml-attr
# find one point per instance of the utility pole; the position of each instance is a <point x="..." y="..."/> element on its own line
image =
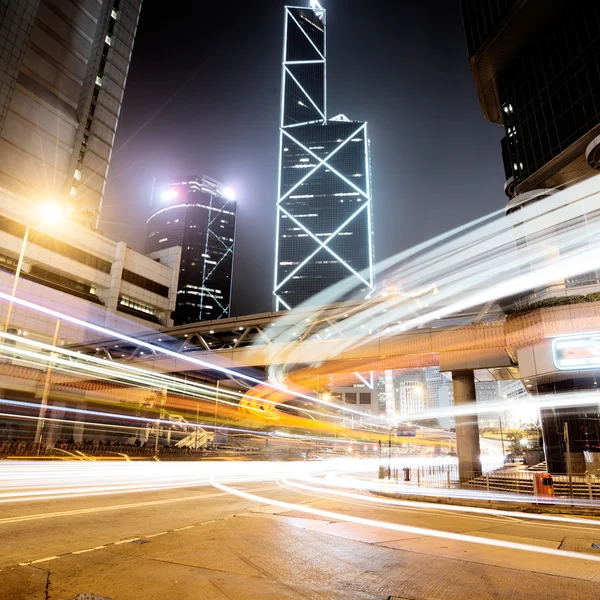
<point x="502" y="435"/>
<point x="40" y="423"/>
<point x="566" y="434"/>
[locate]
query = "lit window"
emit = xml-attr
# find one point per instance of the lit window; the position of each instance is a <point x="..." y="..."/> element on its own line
<point x="114" y="13"/>
<point x="73" y="192"/>
<point x="77" y="174"/>
<point x="163" y="240"/>
<point x="98" y="81"/>
<point x="108" y="40"/>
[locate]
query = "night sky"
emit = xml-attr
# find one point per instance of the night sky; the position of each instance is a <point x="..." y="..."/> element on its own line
<point x="203" y="98"/>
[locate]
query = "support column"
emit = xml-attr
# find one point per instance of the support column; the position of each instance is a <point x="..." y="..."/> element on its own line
<point x="467" y="427"/>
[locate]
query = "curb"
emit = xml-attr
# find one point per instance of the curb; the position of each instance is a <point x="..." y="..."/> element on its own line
<point x="557" y="509"/>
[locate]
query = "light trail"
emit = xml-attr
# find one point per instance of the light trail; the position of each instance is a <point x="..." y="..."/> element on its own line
<point x="419" y="531"/>
<point x="469" y="267"/>
<point x="170" y="353"/>
<point x="26" y="481"/>
<point x="364" y="485"/>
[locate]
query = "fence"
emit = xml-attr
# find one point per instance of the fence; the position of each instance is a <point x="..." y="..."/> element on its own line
<point x="499" y="480"/>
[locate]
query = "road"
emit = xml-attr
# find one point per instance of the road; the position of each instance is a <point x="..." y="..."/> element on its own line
<point x="278" y="541"/>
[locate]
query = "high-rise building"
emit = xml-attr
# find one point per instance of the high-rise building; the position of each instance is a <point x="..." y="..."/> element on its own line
<point x="536" y="67"/>
<point x="324" y="211"/>
<point x="537" y="73"/>
<point x="63" y="68"/>
<point x="192" y="229"/>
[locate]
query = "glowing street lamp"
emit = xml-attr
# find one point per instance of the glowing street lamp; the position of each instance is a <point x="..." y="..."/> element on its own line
<point x="48" y="214"/>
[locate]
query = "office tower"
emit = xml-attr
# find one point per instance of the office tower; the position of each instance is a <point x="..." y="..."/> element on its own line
<point x="536" y="67"/>
<point x="324" y="210"/>
<point x="63" y="68"/>
<point x="192" y="230"/>
<point x="537" y="73"/>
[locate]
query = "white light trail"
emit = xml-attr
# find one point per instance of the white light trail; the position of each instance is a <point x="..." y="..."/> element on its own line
<point x="466" y="268"/>
<point x="368" y="486"/>
<point x="419" y="531"/>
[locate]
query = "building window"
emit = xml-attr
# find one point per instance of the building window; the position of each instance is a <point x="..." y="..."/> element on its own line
<point x="108" y="40"/>
<point x="145" y="283"/>
<point x="365" y="397"/>
<point x="98" y="81"/>
<point x="351" y="398"/>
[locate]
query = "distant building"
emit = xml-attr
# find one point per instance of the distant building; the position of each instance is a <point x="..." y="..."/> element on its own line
<point x="324" y="212"/>
<point x="488" y="391"/>
<point x="63" y="69"/>
<point x="410" y="392"/>
<point x="361" y="398"/>
<point x="199" y="216"/>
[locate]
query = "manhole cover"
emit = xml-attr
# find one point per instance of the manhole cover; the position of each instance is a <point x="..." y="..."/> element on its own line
<point x="140" y="542"/>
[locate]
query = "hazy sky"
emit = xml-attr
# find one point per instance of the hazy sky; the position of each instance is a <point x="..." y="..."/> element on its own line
<point x="203" y="98"/>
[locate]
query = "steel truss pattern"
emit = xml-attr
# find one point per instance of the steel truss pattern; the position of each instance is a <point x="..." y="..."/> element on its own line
<point x="324" y="209"/>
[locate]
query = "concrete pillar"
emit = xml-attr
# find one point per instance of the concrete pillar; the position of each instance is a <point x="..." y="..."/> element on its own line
<point x="78" y="425"/>
<point x="111" y="296"/>
<point x="467" y="427"/>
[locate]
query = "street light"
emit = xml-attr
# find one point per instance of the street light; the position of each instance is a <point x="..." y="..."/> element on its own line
<point x="49" y="213"/>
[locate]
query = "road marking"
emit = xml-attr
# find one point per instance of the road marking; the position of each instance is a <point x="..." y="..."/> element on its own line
<point x="99" y="547"/>
<point x="84" y="511"/>
<point x="83" y="551"/>
<point x="157" y="534"/>
<point x="126" y="541"/>
<point x="39" y="560"/>
<point x="182" y="528"/>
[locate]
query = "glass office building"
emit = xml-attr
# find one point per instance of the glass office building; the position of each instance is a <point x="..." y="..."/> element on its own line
<point x="199" y="216"/>
<point x="537" y="73"/>
<point x="536" y="67"/>
<point x="324" y="232"/>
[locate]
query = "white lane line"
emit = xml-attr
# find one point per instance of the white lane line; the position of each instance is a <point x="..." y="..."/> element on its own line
<point x="126" y="541"/>
<point x="39" y="560"/>
<point x="182" y="528"/>
<point x="157" y="534"/>
<point x="83" y="551"/>
<point x="99" y="547"/>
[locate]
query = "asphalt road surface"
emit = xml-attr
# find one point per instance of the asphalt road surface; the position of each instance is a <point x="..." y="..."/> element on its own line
<point x="200" y="542"/>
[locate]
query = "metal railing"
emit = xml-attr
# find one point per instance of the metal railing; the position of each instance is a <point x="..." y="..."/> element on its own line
<point x="494" y="480"/>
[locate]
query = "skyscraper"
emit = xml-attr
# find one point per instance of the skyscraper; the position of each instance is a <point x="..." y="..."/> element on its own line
<point x="324" y="210"/>
<point x="192" y="230"/>
<point x="537" y="73"/>
<point x="536" y="67"/>
<point x="63" y="68"/>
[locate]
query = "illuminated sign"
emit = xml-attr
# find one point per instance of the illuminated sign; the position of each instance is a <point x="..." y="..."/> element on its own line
<point x="571" y="353"/>
<point x="406" y="433"/>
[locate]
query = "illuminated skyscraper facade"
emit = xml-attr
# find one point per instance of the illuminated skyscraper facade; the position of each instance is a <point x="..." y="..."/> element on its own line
<point x="324" y="212"/>
<point x="197" y="215"/>
<point x="63" y="69"/>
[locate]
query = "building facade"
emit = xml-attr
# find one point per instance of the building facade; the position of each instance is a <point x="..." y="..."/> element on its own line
<point x="197" y="215"/>
<point x="63" y="69"/>
<point x="79" y="272"/>
<point x="324" y="211"/>
<point x="537" y="73"/>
